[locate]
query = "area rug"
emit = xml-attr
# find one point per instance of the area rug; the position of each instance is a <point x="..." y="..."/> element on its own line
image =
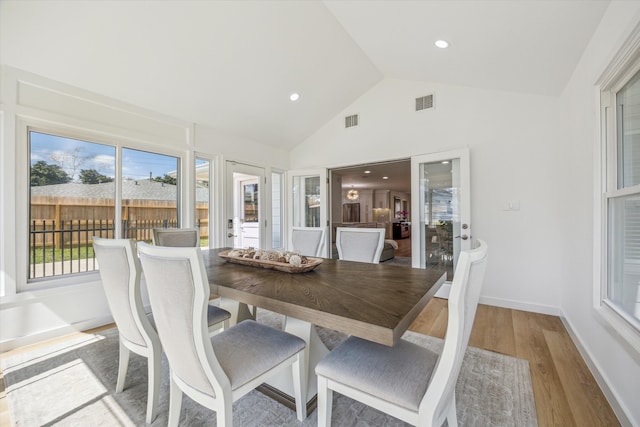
<point x="72" y="383"/>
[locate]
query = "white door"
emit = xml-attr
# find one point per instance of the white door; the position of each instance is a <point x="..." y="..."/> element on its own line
<point x="307" y="202"/>
<point x="244" y="205"/>
<point x="440" y="188"/>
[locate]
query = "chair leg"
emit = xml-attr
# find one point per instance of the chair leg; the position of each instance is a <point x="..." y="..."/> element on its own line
<point x="175" y="403"/>
<point x="123" y="366"/>
<point x="452" y="416"/>
<point x="325" y="402"/>
<point x="300" y="385"/>
<point x="153" y="366"/>
<point x="224" y="414"/>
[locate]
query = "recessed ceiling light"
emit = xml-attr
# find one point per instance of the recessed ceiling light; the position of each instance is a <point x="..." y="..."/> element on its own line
<point x="385" y="177"/>
<point x="294" y="96"/>
<point x="442" y="44"/>
<point x="445" y="162"/>
<point x="367" y="171"/>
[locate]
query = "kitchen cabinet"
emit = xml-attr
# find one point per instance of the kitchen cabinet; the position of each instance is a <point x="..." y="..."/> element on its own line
<point x="401" y="230"/>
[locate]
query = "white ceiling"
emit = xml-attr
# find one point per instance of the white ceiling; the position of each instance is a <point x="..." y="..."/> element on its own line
<point x="232" y="64"/>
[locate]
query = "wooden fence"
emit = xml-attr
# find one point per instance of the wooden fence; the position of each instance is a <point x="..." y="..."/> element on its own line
<point x="68" y="222"/>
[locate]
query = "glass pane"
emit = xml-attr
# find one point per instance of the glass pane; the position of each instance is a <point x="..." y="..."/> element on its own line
<point x="277" y="191"/>
<point x="250" y="207"/>
<point x="203" y="174"/>
<point x="628" y="107"/>
<point x="71" y="199"/>
<point x="624" y="254"/>
<point x="149" y="193"/>
<point x="306" y="201"/>
<point x="440" y="216"/>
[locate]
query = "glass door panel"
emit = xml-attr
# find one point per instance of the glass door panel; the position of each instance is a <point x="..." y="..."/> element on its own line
<point x="244" y="205"/>
<point x="307" y="191"/>
<point x="441" y="228"/>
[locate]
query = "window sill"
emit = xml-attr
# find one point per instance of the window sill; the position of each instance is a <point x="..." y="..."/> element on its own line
<point x="34" y="291"/>
<point x="620" y="326"/>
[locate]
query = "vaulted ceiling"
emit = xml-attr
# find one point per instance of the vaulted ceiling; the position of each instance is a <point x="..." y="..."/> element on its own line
<point x="233" y="64"/>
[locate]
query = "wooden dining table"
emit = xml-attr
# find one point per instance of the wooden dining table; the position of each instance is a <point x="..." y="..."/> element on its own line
<point x="376" y="302"/>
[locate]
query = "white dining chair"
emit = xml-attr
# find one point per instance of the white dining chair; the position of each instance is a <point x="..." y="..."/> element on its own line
<point x="219" y="370"/>
<point x="176" y="237"/>
<point x="360" y="244"/>
<point x="408" y="381"/>
<point x="120" y="273"/>
<point x="308" y="241"/>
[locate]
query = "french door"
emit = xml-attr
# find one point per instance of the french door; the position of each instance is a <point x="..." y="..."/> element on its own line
<point x="245" y="214"/>
<point x="307" y="202"/>
<point x="441" y="228"/>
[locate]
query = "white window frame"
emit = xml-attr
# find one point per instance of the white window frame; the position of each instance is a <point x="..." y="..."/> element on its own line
<point x="24" y="126"/>
<point x="211" y="160"/>
<point x="622" y="68"/>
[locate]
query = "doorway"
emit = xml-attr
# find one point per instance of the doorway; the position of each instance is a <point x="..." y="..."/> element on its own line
<point x="374" y="195"/>
<point x="244" y="205"/>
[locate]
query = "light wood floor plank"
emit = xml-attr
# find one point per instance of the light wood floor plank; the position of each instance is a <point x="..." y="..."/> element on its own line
<point x="433" y="321"/>
<point x="587" y="403"/>
<point x="493" y="330"/>
<point x="552" y="405"/>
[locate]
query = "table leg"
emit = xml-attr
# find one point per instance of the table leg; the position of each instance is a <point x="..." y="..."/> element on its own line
<point x="239" y="311"/>
<point x="314" y="352"/>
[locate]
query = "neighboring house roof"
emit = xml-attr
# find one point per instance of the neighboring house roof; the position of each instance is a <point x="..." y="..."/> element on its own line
<point x="136" y="190"/>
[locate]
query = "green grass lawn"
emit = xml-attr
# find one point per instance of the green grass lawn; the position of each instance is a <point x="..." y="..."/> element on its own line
<point x="48" y="255"/>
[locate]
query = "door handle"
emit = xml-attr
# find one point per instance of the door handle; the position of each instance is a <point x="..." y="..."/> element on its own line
<point x="463" y="237"/>
<point x="231" y="235"/>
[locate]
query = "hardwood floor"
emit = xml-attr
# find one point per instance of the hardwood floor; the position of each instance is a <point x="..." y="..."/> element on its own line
<point x="566" y="393"/>
<point x="404" y="247"/>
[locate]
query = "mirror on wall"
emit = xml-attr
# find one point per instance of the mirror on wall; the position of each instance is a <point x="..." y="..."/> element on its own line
<point x="351" y="212"/>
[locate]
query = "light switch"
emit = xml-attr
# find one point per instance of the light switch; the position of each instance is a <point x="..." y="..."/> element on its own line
<point x="512" y="205"/>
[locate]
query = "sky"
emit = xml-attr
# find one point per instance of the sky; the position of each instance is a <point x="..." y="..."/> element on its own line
<point x="73" y="155"/>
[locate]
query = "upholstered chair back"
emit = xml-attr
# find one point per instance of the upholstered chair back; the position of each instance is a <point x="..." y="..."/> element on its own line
<point x="179" y="294"/>
<point x="308" y="241"/>
<point x="176" y="237"/>
<point x="463" y="302"/>
<point x="360" y="244"/>
<point x="120" y="273"/>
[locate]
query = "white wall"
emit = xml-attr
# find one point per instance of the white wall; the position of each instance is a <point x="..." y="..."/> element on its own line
<point x="513" y="139"/>
<point x="618" y="364"/>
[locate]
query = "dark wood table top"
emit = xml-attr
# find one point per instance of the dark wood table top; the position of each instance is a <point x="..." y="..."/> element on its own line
<point x="376" y="302"/>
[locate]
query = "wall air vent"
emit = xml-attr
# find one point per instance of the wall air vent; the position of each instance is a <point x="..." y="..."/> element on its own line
<point x="351" y="121"/>
<point x="424" y="102"/>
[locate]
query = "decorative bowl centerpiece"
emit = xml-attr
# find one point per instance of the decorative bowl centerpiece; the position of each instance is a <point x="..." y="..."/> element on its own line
<point x="290" y="262"/>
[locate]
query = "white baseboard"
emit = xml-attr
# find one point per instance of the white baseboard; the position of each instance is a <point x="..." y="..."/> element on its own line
<point x="519" y="305"/>
<point x="14" y="343"/>
<point x="609" y="394"/>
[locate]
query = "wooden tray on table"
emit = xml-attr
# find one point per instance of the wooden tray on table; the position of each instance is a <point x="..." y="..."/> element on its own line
<point x="272" y="265"/>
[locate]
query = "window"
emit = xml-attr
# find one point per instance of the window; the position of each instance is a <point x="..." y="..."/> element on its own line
<point x="72" y="193"/>
<point x="619" y="296"/>
<point x="203" y="178"/>
<point x="277" y="222"/>
<point x="149" y="193"/>
<point x="73" y="198"/>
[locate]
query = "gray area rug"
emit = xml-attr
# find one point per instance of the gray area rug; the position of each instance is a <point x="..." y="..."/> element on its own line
<point x="72" y="383"/>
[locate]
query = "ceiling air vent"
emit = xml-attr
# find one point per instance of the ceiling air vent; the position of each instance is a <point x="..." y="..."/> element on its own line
<point x="351" y="121"/>
<point x="424" y="102"/>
